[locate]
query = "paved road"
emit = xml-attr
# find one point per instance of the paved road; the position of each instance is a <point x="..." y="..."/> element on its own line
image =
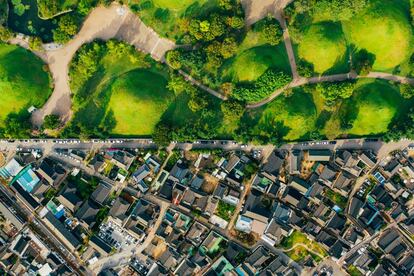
<point x="39" y="228"/>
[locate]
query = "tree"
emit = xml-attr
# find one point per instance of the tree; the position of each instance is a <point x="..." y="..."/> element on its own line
<point x="162" y="135"/>
<point x="232" y="109"/>
<point x="228" y="47"/>
<point x="407" y="91"/>
<point x="19" y="8"/>
<point x="85" y="6"/>
<point x="197" y="103"/>
<point x="363" y="62"/>
<point x="177" y="84"/>
<point x="48" y="8"/>
<point x="226" y="4"/>
<point x="235" y="22"/>
<point x="35" y="43"/>
<point x="336" y="90"/>
<point x="174" y="59"/>
<point x="269" y="30"/>
<point x="51" y="121"/>
<point x="67" y="27"/>
<point x="17" y="125"/>
<point x="5" y="34"/>
<point x="227" y="88"/>
<point x="305" y="69"/>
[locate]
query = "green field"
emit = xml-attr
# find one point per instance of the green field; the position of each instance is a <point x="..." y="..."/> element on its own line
<point x="372" y="107"/>
<point x="138" y="100"/>
<point x="297" y="251"/>
<point x="127" y="95"/>
<point x="23" y="80"/>
<point x="324" y="46"/>
<point x="297" y="113"/>
<point x="384" y="30"/>
<point x="250" y="64"/>
<point x="170" y="18"/>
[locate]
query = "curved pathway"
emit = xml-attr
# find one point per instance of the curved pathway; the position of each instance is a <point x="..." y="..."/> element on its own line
<point x="103" y="23"/>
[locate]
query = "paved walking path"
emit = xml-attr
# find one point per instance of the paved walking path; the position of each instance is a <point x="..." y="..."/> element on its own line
<point x="104" y="23"/>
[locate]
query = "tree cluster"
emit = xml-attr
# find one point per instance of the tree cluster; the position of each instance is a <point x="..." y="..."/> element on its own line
<point x="263" y="87"/>
<point x="332" y="91"/>
<point x="66" y="28"/>
<point x="269" y="30"/>
<point x="363" y="62"/>
<point x="335" y="10"/>
<point x="19" y="8"/>
<point x="51" y="121"/>
<point x="407" y="91"/>
<point x="402" y="127"/>
<point x="16" y="125"/>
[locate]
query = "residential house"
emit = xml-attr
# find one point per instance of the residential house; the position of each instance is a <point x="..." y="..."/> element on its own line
<point x="101" y="192"/>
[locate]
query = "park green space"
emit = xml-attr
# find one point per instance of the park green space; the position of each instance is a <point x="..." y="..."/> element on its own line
<point x="296" y="247"/>
<point x="137" y="101"/>
<point x="250" y="64"/>
<point x="23" y="80"/>
<point x="324" y="46"/>
<point x="295" y="116"/>
<point x="383" y="28"/>
<point x="169" y="18"/>
<point x="372" y="108"/>
<point x="124" y="96"/>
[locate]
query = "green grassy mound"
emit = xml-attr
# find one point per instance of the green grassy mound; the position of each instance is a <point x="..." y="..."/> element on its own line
<point x="383" y="30"/>
<point x="138" y="100"/>
<point x="249" y="65"/>
<point x="297" y="114"/>
<point x="124" y="94"/>
<point x="23" y="80"/>
<point x="371" y="109"/>
<point x="324" y="46"/>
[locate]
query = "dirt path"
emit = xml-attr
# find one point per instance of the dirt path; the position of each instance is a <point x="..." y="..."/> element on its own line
<point x="104" y="23"/>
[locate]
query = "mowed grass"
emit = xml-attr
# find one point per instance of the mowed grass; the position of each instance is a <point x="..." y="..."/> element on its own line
<point x="23" y="80"/>
<point x="372" y="108"/>
<point x="138" y="100"/>
<point x="250" y="64"/>
<point x="384" y="30"/>
<point x="324" y="46"/>
<point x="299" y="238"/>
<point x="297" y="113"/>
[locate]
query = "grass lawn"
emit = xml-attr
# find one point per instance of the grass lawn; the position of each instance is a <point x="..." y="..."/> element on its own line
<point x="371" y="108"/>
<point x="23" y="80"/>
<point x="167" y="17"/>
<point x="225" y="210"/>
<point x="299" y="238"/>
<point x="384" y="30"/>
<point x="324" y="46"/>
<point x="138" y="100"/>
<point x="126" y="96"/>
<point x="297" y="113"/>
<point x="250" y="64"/>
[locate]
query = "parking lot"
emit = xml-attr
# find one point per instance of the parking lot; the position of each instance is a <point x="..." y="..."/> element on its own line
<point x="115" y="235"/>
